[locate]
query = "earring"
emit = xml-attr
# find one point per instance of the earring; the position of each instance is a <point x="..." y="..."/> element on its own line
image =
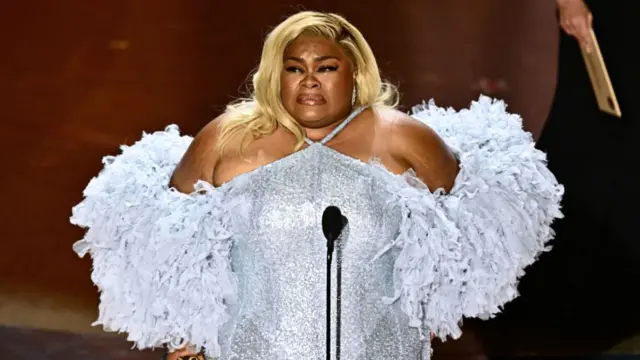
<point x="354" y="96"/>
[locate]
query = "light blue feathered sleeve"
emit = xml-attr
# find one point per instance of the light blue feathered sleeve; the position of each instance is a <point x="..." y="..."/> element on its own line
<point x="461" y="254"/>
<point x="160" y="257"/>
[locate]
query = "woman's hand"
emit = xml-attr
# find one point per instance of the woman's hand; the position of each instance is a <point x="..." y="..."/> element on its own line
<point x="576" y="20"/>
<point x="185" y="354"/>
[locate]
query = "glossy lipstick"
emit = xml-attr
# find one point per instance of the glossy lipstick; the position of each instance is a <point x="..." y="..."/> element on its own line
<point x="311" y="99"/>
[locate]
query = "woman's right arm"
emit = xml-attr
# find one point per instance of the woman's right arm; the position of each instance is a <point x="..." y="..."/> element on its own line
<point x="199" y="160"/>
<point x="197" y="164"/>
<point x="146" y="241"/>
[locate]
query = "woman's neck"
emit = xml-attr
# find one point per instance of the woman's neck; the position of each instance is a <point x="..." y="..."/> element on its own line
<point x="319" y="133"/>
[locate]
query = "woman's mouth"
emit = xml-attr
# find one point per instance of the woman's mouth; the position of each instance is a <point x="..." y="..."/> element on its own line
<point x="310" y="99"/>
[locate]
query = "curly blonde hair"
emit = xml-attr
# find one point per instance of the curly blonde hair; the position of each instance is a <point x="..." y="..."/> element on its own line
<point x="260" y="115"/>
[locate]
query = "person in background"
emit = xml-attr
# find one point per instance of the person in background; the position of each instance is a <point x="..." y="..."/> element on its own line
<point x="582" y="296"/>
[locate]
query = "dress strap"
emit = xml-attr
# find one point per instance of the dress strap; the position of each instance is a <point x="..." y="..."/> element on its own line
<point x="338" y="128"/>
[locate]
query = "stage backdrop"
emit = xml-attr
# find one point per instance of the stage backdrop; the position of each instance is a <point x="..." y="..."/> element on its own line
<point x="78" y="78"/>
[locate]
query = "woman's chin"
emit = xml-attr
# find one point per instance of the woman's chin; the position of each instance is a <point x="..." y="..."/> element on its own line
<point x="309" y="115"/>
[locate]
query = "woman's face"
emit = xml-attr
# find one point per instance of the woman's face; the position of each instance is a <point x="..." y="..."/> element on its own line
<point x="317" y="82"/>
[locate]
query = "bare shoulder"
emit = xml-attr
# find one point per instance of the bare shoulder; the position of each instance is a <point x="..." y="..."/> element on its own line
<point x="199" y="160"/>
<point x="400" y="124"/>
<point x="404" y="133"/>
<point x="419" y="147"/>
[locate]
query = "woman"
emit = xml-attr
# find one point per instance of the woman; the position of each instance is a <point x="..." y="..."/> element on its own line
<point x="233" y="259"/>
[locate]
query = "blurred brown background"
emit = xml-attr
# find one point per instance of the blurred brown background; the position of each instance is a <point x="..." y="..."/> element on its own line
<point x="78" y="78"/>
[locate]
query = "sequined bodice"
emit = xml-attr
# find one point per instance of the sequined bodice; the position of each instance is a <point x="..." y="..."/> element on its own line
<point x="280" y="263"/>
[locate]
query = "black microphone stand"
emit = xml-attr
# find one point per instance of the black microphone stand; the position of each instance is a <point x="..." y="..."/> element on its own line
<point x="333" y="225"/>
<point x="330" y="245"/>
<point x="338" y="299"/>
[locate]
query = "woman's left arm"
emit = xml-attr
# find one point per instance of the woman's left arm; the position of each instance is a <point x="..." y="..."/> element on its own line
<point x="420" y="148"/>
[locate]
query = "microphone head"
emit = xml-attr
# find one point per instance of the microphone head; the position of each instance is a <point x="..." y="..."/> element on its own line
<point x="332" y="223"/>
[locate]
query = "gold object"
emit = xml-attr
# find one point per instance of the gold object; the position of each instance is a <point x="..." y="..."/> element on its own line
<point x="600" y="80"/>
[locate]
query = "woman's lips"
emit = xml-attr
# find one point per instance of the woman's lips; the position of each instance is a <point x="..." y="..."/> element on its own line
<point x="311" y="100"/>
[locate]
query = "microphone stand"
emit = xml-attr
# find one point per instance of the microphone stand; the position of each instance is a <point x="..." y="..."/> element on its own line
<point x="333" y="226"/>
<point x="338" y="299"/>
<point x="330" y="246"/>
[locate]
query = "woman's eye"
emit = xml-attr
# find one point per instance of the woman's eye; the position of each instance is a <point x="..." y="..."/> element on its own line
<point x="293" y="69"/>
<point x="327" y="68"/>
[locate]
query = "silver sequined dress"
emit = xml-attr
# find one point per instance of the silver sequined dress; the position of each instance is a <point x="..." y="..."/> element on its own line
<point x="240" y="269"/>
<point x="281" y="271"/>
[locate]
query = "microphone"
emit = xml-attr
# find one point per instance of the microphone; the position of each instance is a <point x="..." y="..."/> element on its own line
<point x="333" y="222"/>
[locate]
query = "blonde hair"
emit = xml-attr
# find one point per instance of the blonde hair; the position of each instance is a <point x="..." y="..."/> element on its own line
<point x="262" y="113"/>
